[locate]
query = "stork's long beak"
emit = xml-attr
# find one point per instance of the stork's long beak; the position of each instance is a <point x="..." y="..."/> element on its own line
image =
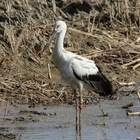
<point x="48" y="43"/>
<point x="50" y="40"/>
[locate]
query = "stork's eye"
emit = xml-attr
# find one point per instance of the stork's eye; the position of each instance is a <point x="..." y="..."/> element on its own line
<point x="57" y="26"/>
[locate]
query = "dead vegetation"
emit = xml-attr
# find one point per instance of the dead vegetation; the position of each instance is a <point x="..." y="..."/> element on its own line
<point x="106" y="31"/>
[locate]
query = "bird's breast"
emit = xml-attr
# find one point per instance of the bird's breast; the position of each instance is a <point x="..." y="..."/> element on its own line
<point x="58" y="61"/>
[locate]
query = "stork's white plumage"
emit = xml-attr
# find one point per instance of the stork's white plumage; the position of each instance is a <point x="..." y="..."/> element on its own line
<point x="78" y="71"/>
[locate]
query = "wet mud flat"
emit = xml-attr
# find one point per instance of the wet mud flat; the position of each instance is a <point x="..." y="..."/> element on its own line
<point x="58" y="122"/>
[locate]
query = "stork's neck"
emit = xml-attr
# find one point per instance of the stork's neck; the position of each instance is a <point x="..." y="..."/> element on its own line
<point x="59" y="57"/>
<point x="59" y="42"/>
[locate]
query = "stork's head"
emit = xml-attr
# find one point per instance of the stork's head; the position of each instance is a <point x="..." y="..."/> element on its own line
<point x="59" y="26"/>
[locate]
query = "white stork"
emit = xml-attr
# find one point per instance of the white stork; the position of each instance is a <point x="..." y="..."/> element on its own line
<point x="78" y="71"/>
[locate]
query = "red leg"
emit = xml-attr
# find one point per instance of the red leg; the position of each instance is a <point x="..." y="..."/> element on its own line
<point x="76" y="103"/>
<point x="77" y="125"/>
<point x="80" y="113"/>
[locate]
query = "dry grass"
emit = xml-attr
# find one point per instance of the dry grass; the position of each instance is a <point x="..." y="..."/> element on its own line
<point x="105" y="31"/>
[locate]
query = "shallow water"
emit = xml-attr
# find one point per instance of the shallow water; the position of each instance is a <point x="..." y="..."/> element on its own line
<point x="59" y="123"/>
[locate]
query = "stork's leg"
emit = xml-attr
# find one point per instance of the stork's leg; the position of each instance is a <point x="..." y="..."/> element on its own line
<point x="80" y="112"/>
<point x="76" y="103"/>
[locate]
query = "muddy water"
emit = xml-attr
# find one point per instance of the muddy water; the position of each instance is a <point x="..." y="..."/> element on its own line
<point x="58" y="123"/>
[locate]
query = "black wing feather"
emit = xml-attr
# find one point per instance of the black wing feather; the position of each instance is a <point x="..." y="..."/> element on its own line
<point x="99" y="83"/>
